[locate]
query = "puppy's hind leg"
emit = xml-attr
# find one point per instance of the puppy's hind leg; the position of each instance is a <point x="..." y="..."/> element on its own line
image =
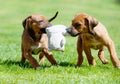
<point x="101" y="56"/>
<point x="113" y="54"/>
<point x="23" y="58"/>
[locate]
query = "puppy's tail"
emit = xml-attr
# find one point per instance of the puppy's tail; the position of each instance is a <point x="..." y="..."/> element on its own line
<point x="53" y="17"/>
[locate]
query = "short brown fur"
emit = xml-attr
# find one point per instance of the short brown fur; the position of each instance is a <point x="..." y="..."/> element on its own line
<point x="34" y="35"/>
<point x="92" y="34"/>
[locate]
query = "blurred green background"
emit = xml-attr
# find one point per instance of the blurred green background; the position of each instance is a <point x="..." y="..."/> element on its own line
<point x="13" y="12"/>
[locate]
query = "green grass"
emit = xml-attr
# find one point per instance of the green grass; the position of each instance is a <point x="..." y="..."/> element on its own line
<point x="13" y="12"/>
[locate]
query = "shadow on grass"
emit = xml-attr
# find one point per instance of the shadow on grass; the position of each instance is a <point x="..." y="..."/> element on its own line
<point x="12" y="62"/>
<point x="63" y="64"/>
<point x="85" y="66"/>
<point x="66" y="64"/>
<point x="27" y="65"/>
<point x="18" y="63"/>
<point x="9" y="62"/>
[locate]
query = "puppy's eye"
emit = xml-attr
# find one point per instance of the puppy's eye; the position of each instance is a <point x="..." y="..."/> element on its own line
<point x="76" y="25"/>
<point x="40" y="21"/>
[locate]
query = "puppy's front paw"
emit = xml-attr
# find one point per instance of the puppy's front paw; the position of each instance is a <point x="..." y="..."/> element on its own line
<point x="118" y="67"/>
<point x="39" y="68"/>
<point x="105" y="62"/>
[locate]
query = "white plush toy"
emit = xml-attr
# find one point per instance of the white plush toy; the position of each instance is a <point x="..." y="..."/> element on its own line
<point x="56" y="37"/>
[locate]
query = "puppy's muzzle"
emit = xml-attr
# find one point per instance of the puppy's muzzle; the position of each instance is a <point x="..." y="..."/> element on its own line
<point x="72" y="32"/>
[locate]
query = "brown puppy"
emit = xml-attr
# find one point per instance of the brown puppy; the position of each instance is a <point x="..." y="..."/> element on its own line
<point x="35" y="40"/>
<point x="92" y="34"/>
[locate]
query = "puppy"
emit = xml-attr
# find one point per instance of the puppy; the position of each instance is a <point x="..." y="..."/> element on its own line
<point x="35" y="40"/>
<point x="92" y="34"/>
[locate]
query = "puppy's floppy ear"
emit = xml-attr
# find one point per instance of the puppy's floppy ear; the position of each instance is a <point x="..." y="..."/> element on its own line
<point x="25" y="22"/>
<point x="29" y="28"/>
<point x="91" y="22"/>
<point x="27" y="25"/>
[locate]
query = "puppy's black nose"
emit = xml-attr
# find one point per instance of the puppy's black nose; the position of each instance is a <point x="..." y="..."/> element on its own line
<point x="68" y="30"/>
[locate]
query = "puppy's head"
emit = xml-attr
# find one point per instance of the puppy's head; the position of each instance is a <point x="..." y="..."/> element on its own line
<point x="82" y="23"/>
<point x="36" y="24"/>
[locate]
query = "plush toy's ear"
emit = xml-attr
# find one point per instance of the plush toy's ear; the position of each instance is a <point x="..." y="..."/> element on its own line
<point x="26" y="21"/>
<point x="91" y="22"/>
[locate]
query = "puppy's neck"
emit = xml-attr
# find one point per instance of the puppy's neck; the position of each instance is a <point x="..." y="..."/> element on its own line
<point x="33" y="36"/>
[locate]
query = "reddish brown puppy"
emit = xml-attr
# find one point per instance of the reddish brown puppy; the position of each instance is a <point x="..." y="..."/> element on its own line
<point x="35" y="40"/>
<point x="92" y="34"/>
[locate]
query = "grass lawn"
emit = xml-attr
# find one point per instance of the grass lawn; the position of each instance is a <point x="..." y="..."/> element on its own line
<point x="13" y="12"/>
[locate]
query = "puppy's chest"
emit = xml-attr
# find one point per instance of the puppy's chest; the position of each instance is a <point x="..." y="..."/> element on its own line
<point x="92" y="41"/>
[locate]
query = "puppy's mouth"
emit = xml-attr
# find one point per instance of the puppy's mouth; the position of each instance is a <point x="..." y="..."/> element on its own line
<point x="74" y="35"/>
<point x="43" y="30"/>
